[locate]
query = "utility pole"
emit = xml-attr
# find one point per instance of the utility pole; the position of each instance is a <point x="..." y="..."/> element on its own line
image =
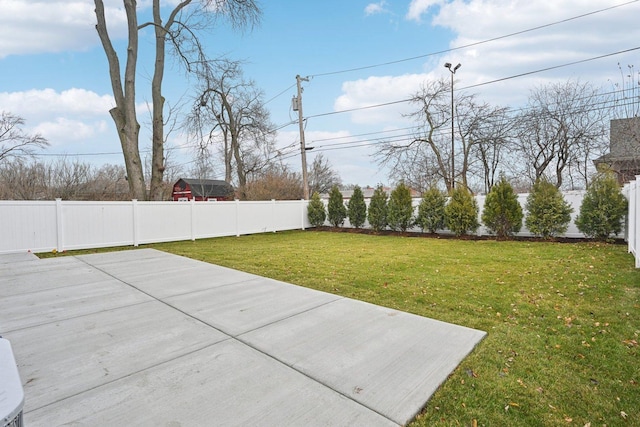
<point x="303" y="150"/>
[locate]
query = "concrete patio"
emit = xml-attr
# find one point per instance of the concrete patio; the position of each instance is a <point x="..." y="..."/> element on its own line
<point x="149" y="338"/>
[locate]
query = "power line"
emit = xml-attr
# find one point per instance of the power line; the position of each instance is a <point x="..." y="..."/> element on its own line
<point x="555" y="67"/>
<point x="598" y="106"/>
<point x="279" y="94"/>
<point x="363" y="134"/>
<point x="400" y="101"/>
<point x="475" y="43"/>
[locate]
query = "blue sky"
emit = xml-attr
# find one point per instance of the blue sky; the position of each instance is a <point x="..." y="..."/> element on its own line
<point x="54" y="74"/>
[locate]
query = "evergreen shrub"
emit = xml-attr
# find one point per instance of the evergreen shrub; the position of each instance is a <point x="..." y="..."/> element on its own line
<point x="502" y="213"/>
<point x="357" y="208"/>
<point x="400" y="208"/>
<point x="431" y="210"/>
<point x="316" y="211"/>
<point x="377" y="214"/>
<point x="548" y="214"/>
<point x="603" y="208"/>
<point x="461" y="213"/>
<point x="337" y="211"/>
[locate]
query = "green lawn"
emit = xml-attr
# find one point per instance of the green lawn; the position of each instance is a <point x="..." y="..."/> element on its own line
<point x="563" y="320"/>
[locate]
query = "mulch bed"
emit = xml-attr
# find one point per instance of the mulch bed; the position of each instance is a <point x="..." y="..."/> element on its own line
<point x="452" y="236"/>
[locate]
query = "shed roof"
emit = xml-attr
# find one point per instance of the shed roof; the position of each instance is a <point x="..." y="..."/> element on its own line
<point x="207" y="187"/>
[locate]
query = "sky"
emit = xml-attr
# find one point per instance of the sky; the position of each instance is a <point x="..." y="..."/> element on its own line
<point x="53" y="71"/>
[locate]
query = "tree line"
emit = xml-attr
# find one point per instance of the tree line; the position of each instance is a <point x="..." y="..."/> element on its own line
<point x="546" y="213"/>
<point x="555" y="136"/>
<point x="22" y="177"/>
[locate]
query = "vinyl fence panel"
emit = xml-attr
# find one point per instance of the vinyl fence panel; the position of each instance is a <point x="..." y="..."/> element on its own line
<point x="28" y="225"/>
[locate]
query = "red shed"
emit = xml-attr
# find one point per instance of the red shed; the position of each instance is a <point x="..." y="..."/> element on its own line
<point x="202" y="189"/>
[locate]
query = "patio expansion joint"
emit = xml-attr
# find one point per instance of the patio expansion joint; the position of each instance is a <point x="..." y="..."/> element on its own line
<point x="238" y="339"/>
<point x="293" y="367"/>
<point x="208" y="289"/>
<point x="78" y="316"/>
<point x="130" y="374"/>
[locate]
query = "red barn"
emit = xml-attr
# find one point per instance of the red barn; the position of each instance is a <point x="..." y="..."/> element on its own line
<point x="202" y="189"/>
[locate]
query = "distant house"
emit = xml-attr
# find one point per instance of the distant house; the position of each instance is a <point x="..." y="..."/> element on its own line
<point x="624" y="149"/>
<point x="202" y="190"/>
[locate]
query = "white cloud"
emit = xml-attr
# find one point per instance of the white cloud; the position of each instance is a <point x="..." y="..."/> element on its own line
<point x="419" y="7"/>
<point x="377" y="90"/>
<point x="69" y="120"/>
<point x="47" y="103"/>
<point x="375" y="8"/>
<point x="30" y="27"/>
<point x="553" y="45"/>
<point x="473" y="21"/>
<point x="63" y="129"/>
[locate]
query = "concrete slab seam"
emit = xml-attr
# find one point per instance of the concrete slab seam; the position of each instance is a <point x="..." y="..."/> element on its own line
<point x="292" y="367"/>
<point x="338" y="298"/>
<point x="78" y="316"/>
<point x="130" y="374"/>
<point x="208" y="289"/>
<point x="156" y="298"/>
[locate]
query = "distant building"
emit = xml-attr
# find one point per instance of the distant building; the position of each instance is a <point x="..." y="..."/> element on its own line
<point x="202" y="190"/>
<point x="624" y="149"/>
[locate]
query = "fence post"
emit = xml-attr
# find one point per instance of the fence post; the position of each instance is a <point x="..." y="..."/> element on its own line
<point x="634" y="216"/>
<point x="134" y="208"/>
<point x="302" y="212"/>
<point x="59" y="226"/>
<point x="237" y="217"/>
<point x="273" y="215"/>
<point x="193" y="222"/>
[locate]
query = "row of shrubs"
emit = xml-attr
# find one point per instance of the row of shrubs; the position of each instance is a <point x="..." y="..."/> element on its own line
<point x="547" y="212"/>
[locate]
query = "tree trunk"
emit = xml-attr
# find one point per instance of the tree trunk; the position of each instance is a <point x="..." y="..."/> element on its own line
<point x="124" y="113"/>
<point x="157" y="144"/>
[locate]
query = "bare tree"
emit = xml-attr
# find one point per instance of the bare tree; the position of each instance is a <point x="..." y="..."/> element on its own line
<point x="229" y="114"/>
<point x="563" y="124"/>
<point x="426" y="159"/>
<point x="62" y="178"/>
<point x="180" y="28"/>
<point x="429" y="145"/>
<point x="14" y="141"/>
<point x="276" y="182"/>
<point x="493" y="140"/>
<point x="21" y="180"/>
<point x="322" y="176"/>
<point x="627" y="95"/>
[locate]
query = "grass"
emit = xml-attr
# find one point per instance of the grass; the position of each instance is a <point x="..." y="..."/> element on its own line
<point x="563" y="320"/>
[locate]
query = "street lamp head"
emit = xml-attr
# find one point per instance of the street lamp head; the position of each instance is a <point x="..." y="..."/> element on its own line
<point x="447" y="65"/>
<point x="456" y="67"/>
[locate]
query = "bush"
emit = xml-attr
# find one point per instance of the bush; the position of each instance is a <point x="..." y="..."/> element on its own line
<point x="315" y="211"/>
<point x="603" y="208"/>
<point x="400" y="210"/>
<point x="336" y="208"/>
<point x="461" y="213"/>
<point x="548" y="214"/>
<point x="502" y="214"/>
<point x="378" y="209"/>
<point x="431" y="210"/>
<point x="357" y="208"/>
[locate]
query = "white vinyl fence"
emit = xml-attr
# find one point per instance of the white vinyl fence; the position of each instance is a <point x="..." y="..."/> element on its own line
<point x="43" y="226"/>
<point x="632" y="192"/>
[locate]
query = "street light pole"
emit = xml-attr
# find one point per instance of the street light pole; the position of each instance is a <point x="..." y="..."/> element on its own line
<point x="453" y="164"/>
